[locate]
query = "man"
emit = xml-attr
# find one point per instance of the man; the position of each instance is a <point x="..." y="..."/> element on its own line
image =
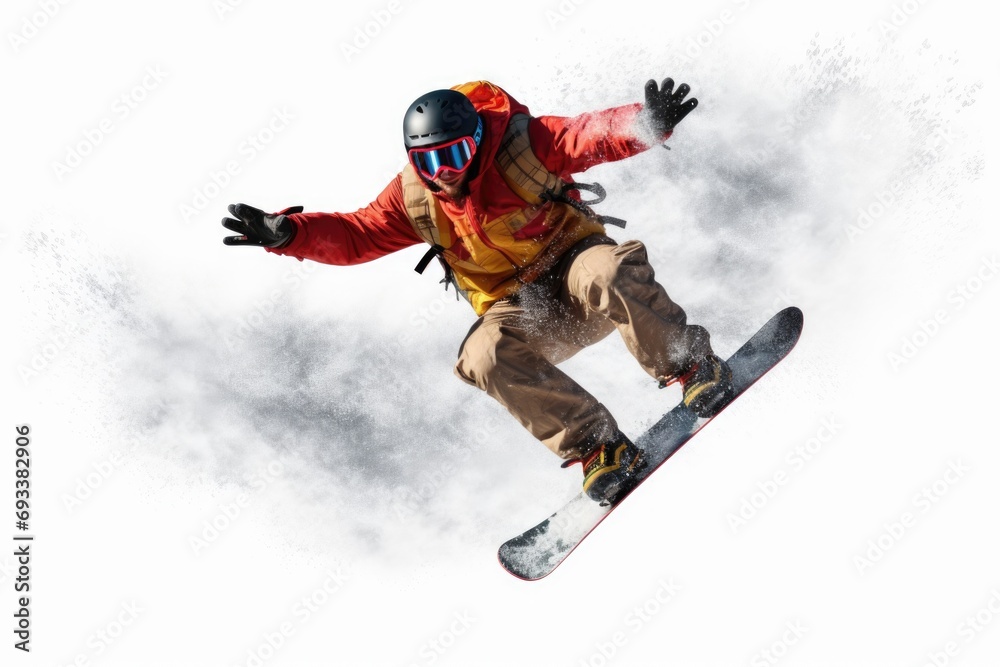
<point x="490" y="189"/>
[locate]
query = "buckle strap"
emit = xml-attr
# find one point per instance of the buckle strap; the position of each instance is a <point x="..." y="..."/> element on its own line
<point x="436" y="250"/>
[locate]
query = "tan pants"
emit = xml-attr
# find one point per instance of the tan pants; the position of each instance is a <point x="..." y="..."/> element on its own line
<point x="511" y="351"/>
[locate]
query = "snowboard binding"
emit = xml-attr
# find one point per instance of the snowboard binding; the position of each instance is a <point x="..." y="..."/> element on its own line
<point x="610" y="470"/>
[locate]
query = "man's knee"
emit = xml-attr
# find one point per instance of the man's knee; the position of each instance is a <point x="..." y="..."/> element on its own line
<point x="607" y="275"/>
<point x="477" y="357"/>
<point x="604" y="267"/>
<point x="494" y="355"/>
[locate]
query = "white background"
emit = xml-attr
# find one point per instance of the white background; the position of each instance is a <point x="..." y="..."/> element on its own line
<point x="837" y="161"/>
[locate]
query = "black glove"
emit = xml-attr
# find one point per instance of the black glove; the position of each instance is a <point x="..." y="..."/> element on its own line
<point x="664" y="107"/>
<point x="271" y="230"/>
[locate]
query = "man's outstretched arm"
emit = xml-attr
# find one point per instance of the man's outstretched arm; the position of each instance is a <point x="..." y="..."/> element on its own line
<point x="571" y="145"/>
<point x="376" y="230"/>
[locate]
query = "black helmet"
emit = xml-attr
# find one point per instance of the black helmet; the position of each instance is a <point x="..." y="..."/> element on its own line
<point x="438" y="117"/>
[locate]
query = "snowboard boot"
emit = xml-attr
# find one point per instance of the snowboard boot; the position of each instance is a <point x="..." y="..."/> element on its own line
<point x="708" y="386"/>
<point x="609" y="470"/>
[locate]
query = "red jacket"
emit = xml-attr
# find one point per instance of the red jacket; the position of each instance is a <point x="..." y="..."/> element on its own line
<point x="564" y="145"/>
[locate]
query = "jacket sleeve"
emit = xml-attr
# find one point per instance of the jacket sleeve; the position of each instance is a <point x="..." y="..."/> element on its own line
<point x="376" y="230"/>
<point x="570" y="145"/>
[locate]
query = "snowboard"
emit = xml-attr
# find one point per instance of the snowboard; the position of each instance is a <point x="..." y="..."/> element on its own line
<point x="537" y="552"/>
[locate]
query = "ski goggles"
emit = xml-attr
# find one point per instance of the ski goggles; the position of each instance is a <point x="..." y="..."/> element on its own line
<point x="453" y="156"/>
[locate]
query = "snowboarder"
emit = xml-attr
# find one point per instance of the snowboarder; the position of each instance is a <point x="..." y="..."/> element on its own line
<point x="490" y="189"/>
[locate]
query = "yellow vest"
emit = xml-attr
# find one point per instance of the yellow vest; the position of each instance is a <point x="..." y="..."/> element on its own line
<point x="488" y="260"/>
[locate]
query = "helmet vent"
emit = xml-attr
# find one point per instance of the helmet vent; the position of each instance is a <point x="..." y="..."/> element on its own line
<point x="438" y="116"/>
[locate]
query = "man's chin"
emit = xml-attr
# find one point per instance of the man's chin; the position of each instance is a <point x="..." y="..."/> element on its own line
<point x="453" y="189"/>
